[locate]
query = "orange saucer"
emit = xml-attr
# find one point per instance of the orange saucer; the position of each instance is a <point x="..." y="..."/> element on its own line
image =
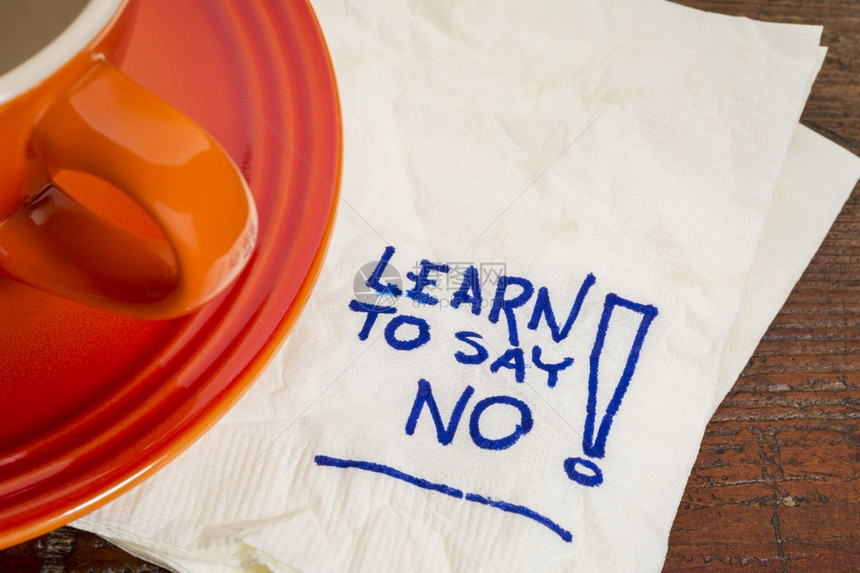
<point x="92" y="403"/>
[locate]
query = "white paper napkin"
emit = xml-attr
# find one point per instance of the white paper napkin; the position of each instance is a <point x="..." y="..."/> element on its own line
<point x="615" y="162"/>
<point x="816" y="179"/>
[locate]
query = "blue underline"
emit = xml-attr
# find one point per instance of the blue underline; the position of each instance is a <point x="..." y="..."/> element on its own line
<point x="447" y="490"/>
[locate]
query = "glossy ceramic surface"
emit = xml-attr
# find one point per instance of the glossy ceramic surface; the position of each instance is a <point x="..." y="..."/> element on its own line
<point x="92" y="402"/>
<point x="88" y="116"/>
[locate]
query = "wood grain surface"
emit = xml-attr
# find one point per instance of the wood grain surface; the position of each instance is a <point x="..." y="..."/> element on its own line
<point x="776" y="485"/>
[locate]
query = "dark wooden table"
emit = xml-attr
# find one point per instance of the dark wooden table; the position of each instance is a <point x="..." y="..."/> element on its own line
<point x="776" y="485"/>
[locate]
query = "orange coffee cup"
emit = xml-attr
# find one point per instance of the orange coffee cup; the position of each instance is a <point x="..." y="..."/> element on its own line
<point x="65" y="107"/>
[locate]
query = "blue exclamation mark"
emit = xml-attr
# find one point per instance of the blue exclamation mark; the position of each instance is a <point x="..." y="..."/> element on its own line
<point x="584" y="471"/>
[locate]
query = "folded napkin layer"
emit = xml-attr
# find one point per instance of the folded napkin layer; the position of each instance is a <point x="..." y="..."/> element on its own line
<point x="557" y="245"/>
<point x="815" y="181"/>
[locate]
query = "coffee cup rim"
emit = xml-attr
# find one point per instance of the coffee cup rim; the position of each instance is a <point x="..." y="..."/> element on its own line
<point x="33" y="71"/>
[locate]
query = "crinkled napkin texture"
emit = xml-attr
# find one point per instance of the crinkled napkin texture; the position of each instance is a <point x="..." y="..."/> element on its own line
<point x="564" y="227"/>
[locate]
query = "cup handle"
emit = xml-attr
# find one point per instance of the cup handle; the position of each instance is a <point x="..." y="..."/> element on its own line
<point x="110" y="127"/>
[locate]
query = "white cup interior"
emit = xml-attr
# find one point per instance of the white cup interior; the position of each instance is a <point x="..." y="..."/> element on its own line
<point x="38" y="36"/>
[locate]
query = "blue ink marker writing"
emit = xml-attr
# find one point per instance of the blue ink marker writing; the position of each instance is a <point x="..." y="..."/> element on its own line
<point x="373" y="280"/>
<point x="480" y="354"/>
<point x="445" y="434"/>
<point x="471" y="283"/>
<point x="543" y="306"/>
<point x="422" y="280"/>
<point x="594" y="444"/>
<point x="592" y="479"/>
<point x="372" y="311"/>
<point x="389" y="471"/>
<point x="524" y="427"/>
<point x="507" y="305"/>
<point x="512" y="359"/>
<point x="420" y="339"/>
<point x="551" y="370"/>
